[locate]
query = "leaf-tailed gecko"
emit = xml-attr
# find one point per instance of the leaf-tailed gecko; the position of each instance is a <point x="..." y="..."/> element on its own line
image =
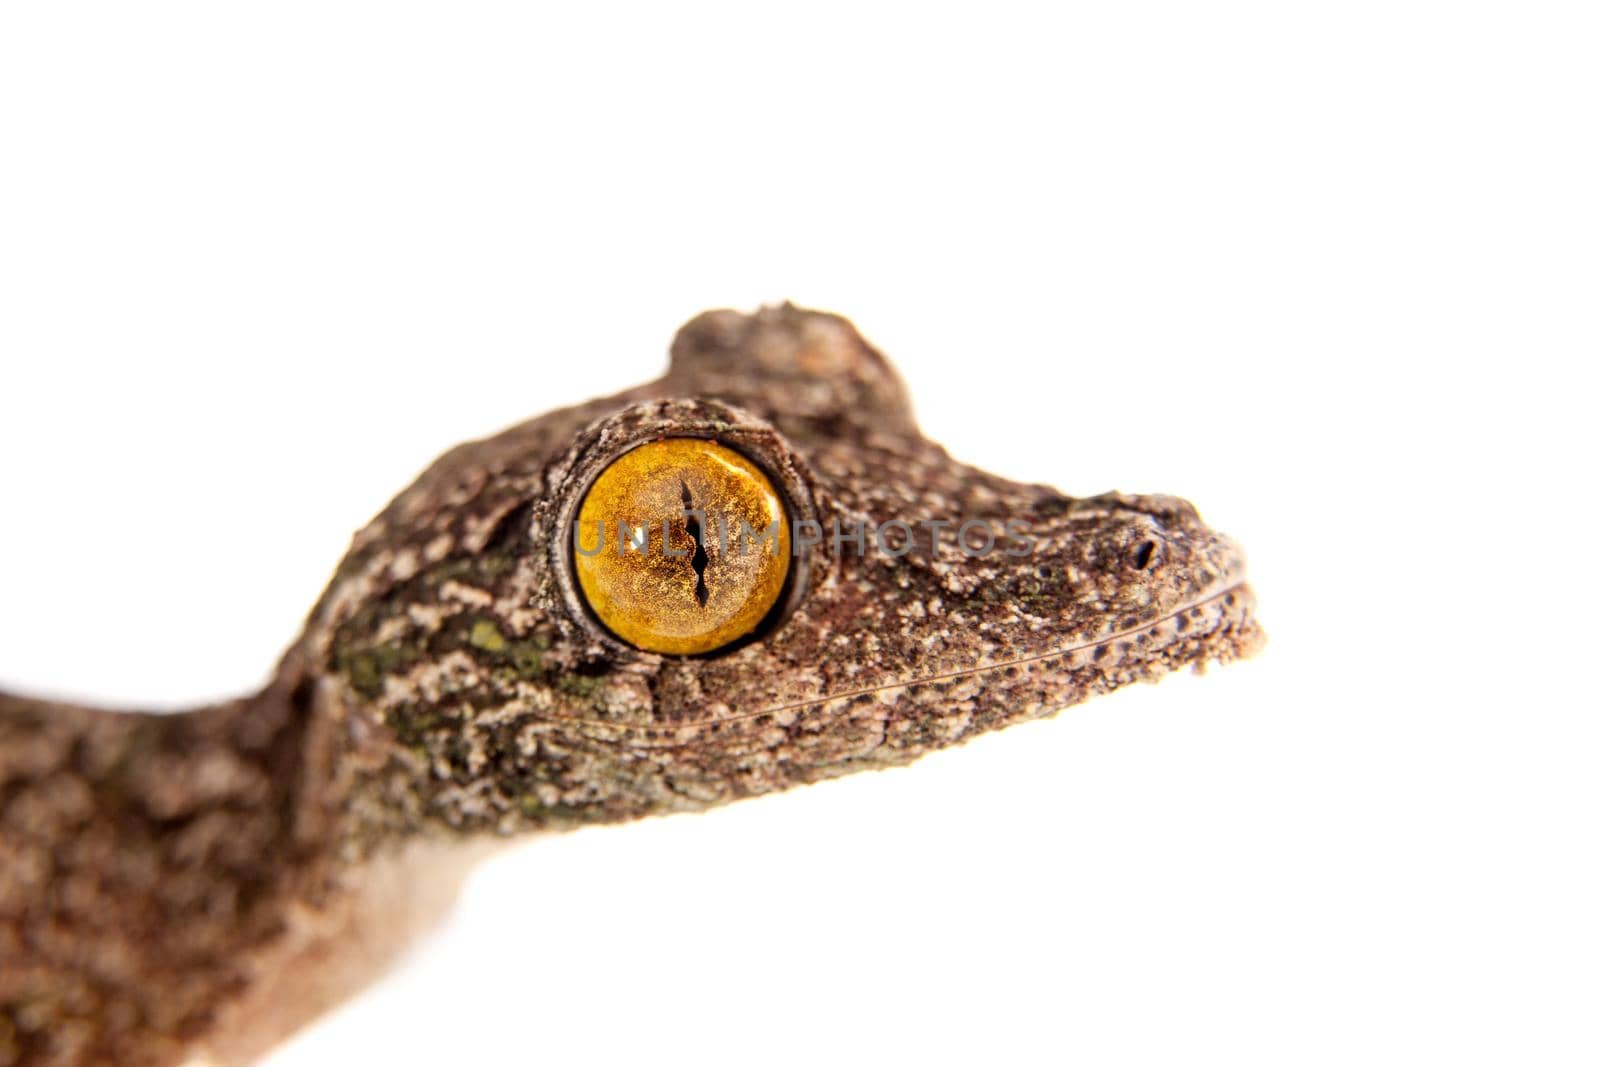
<point x="198" y="885"/>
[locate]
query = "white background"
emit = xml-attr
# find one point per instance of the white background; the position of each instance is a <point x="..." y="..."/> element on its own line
<point x="1328" y="270"/>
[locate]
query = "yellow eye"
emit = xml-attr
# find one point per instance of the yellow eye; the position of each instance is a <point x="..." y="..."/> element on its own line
<point x="681" y="546"/>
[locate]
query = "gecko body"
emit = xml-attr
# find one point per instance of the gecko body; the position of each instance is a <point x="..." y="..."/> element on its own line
<point x="199" y="885"/>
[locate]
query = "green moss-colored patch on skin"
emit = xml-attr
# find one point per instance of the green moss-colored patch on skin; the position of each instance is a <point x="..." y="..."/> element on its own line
<point x="555" y="816"/>
<point x="512" y="658"/>
<point x="466" y="569"/>
<point x="580" y="685"/>
<point x="365" y="661"/>
<point x="449" y="570"/>
<point x="487" y="636"/>
<point x="493" y="566"/>
<point x="521" y="661"/>
<point x="1037" y="592"/>
<point x="1040" y="595"/>
<point x="366" y="667"/>
<point x="527" y="657"/>
<point x="411" y="724"/>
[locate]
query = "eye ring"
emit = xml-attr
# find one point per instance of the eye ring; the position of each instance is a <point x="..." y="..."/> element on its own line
<point x="609" y="440"/>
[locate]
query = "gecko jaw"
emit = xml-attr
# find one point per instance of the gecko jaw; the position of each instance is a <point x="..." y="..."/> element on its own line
<point x="1230" y="613"/>
<point x="1230" y="610"/>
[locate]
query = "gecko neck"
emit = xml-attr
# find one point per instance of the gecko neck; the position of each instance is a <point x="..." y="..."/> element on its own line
<point x="146" y="862"/>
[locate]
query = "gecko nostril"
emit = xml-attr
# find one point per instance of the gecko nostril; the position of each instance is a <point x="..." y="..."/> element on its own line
<point x="1143" y="555"/>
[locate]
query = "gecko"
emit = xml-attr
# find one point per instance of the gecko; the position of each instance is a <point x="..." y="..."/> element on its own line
<point x="195" y="886"/>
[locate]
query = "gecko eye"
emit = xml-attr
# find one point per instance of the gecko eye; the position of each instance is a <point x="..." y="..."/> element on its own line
<point x="681" y="546"/>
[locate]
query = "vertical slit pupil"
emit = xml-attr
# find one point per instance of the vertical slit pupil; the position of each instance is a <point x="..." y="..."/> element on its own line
<point x="699" y="560"/>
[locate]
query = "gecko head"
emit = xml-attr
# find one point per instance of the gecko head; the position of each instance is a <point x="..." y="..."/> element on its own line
<point x="818" y="589"/>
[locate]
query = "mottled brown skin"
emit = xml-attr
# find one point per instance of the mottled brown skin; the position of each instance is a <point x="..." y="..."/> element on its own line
<point x="172" y="886"/>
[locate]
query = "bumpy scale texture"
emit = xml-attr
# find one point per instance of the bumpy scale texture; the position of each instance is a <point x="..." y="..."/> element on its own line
<point x="201" y="884"/>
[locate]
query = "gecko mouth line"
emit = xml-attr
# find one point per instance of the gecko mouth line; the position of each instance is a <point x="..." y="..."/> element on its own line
<point x="1234" y="590"/>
